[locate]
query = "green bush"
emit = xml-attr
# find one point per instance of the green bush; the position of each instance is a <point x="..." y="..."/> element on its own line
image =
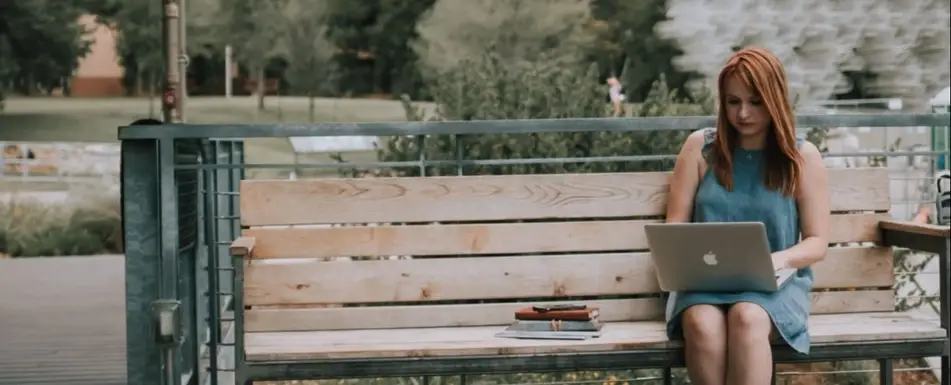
<point x="84" y="225"/>
<point x="488" y="89"/>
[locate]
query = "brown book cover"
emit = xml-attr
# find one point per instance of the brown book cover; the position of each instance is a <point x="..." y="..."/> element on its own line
<point x="528" y="313"/>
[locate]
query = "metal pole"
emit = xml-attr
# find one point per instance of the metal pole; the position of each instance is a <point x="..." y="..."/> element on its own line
<point x="183" y="52"/>
<point x="171" y="30"/>
<point x="228" y="74"/>
<point x="172" y="113"/>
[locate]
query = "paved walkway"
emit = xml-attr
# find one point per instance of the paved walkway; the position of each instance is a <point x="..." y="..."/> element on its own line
<point x="62" y="321"/>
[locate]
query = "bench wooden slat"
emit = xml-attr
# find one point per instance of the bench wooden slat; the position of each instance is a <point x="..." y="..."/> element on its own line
<point x="497" y="238"/>
<point x="480" y="340"/>
<point x="283" y="282"/>
<point x="508" y="197"/>
<point x="383" y="317"/>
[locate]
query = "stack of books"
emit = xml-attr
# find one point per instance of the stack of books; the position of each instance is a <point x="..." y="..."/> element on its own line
<point x="569" y="321"/>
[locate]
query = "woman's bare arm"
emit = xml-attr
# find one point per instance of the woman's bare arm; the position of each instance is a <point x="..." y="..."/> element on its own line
<point x="813" y="201"/>
<point x="683" y="184"/>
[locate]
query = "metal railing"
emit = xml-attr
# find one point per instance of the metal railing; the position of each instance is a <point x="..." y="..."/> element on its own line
<point x="180" y="210"/>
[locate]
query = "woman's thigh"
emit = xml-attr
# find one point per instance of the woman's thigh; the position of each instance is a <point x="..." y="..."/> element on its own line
<point x="760" y="316"/>
<point x="703" y="319"/>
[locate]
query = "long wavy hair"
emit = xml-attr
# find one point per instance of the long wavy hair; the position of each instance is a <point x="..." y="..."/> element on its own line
<point x="764" y="74"/>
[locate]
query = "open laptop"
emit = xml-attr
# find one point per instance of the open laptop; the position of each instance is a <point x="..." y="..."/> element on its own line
<point x="713" y="257"/>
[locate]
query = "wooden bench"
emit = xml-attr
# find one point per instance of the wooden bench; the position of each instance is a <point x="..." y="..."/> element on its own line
<point x="497" y="243"/>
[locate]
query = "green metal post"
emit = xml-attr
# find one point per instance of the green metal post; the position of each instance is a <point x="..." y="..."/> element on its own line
<point x="141" y="238"/>
<point x="939" y="141"/>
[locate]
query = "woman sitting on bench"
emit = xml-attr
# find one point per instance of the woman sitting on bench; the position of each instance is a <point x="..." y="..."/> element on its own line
<point x="751" y="168"/>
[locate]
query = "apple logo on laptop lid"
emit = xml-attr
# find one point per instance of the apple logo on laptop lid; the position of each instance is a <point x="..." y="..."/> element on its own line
<point x="710" y="258"/>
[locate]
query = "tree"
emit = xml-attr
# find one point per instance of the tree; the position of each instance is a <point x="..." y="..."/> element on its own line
<point x="138" y="26"/>
<point x="514" y="30"/>
<point x="628" y="47"/>
<point x="373" y="37"/>
<point x="8" y="68"/>
<point x="139" y="41"/>
<point x="256" y="31"/>
<point x="310" y="69"/>
<point x="42" y="42"/>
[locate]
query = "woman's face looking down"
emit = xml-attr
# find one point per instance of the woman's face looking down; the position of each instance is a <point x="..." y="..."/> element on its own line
<point x="745" y="109"/>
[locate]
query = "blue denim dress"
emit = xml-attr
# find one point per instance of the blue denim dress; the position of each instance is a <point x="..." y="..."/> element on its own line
<point x="751" y="201"/>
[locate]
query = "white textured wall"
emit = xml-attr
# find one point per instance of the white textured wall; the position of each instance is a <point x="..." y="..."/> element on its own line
<point x="905" y="42"/>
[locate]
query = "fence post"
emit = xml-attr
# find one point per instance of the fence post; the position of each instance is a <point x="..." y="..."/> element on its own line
<point x="142" y="246"/>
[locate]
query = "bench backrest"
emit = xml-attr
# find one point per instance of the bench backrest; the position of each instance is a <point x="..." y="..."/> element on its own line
<point x="498" y="243"/>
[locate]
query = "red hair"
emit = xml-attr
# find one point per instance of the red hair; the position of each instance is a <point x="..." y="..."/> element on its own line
<point x="764" y="74"/>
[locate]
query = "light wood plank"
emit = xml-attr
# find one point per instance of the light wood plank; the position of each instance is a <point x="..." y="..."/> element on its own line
<point x="481" y="340"/>
<point x="507" y="197"/>
<point x="381" y="317"/>
<point x="242" y="247"/>
<point x="279" y="282"/>
<point x="498" y="238"/>
<point x="918" y="228"/>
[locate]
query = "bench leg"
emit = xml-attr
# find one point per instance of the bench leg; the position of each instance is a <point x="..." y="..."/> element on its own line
<point x="668" y="376"/>
<point x="945" y="370"/>
<point x="885" y="372"/>
<point x="772" y="378"/>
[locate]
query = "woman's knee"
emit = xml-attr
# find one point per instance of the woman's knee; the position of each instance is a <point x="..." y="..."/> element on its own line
<point x="704" y="322"/>
<point x="749" y="319"/>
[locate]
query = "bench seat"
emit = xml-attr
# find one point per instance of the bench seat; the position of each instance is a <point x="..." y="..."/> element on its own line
<point x="826" y="329"/>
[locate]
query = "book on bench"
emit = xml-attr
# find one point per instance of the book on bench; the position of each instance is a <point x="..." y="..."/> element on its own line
<point x="530" y="313"/>
<point x="577" y="322"/>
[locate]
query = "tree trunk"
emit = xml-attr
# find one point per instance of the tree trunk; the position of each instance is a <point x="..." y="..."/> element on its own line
<point x="261" y="88"/>
<point x="310" y="106"/>
<point x="30" y="89"/>
<point x="151" y="77"/>
<point x="139" y="81"/>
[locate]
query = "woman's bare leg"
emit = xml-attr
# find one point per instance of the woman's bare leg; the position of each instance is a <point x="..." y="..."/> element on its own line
<point x="705" y="336"/>
<point x="750" y="357"/>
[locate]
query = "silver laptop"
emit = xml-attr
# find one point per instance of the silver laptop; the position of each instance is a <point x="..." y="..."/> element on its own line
<point x="713" y="257"/>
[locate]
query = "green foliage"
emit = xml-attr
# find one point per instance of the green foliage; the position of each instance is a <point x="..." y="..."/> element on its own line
<point x="376" y="43"/>
<point x="626" y="45"/>
<point x="487" y="88"/>
<point x="310" y="69"/>
<point x="384" y="29"/>
<point x="87" y="225"/>
<point x="514" y="31"/>
<point x="139" y="45"/>
<point x="41" y="43"/>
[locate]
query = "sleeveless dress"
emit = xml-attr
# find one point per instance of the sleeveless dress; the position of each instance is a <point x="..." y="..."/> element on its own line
<point x="751" y="201"/>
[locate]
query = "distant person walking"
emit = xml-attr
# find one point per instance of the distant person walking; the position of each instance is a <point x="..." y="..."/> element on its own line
<point x="617" y="98"/>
